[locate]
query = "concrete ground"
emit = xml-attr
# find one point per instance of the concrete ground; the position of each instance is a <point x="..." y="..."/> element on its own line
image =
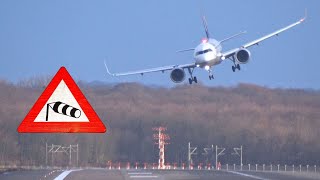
<point x="123" y="174"/>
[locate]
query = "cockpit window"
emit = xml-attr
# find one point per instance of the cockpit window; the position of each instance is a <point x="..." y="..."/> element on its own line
<point x="203" y="52"/>
<point x="207" y="50"/>
<point x="199" y="52"/>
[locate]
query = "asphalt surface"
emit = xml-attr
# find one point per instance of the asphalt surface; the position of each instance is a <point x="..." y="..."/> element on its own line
<point x="97" y="173"/>
<point x="30" y="174"/>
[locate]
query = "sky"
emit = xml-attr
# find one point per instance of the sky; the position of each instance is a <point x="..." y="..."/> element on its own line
<point x="37" y="37"/>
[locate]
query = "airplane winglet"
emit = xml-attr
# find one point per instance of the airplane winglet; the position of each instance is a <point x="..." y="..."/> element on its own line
<point x="105" y="65"/>
<point x="305" y="16"/>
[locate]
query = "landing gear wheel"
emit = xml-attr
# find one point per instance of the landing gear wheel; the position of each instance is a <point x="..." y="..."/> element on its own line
<point x="211" y="77"/>
<point x="193" y="79"/>
<point x="238" y="67"/>
<point x="233" y="68"/>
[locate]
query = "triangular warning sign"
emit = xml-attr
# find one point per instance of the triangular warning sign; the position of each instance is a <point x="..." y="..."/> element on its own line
<point x="62" y="108"/>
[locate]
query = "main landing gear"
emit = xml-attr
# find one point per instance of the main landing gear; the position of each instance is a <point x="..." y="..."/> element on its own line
<point x="236" y="66"/>
<point x="210" y="74"/>
<point x="192" y="79"/>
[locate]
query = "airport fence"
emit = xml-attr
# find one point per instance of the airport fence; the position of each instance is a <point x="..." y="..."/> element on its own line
<point x="15" y="167"/>
<point x="226" y="167"/>
<point x="272" y="167"/>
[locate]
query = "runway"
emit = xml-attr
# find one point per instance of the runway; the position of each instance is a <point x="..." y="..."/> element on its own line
<point x="30" y="174"/>
<point x="123" y="174"/>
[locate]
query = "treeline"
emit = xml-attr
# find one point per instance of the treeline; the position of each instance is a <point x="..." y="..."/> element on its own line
<point x="273" y="125"/>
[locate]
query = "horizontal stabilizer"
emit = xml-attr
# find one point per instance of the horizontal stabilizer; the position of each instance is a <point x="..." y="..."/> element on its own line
<point x="233" y="36"/>
<point x="184" y="50"/>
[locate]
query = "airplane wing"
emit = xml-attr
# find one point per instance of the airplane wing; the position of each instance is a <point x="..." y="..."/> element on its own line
<point x="257" y="41"/>
<point x="157" y="69"/>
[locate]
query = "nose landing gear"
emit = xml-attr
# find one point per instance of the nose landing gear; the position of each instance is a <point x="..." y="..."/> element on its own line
<point x="210" y="74"/>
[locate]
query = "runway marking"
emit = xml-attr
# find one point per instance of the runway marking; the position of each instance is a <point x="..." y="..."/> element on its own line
<point x="135" y="173"/>
<point x="136" y="176"/>
<point x="65" y="174"/>
<point x="247" y="175"/>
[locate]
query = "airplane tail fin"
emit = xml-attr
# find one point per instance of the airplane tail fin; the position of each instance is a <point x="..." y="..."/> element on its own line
<point x="205" y="25"/>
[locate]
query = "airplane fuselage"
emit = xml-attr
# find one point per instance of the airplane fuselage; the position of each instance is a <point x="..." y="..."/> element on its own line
<point x="207" y="54"/>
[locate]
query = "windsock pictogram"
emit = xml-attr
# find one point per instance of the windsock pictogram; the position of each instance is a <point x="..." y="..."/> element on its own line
<point x="64" y="109"/>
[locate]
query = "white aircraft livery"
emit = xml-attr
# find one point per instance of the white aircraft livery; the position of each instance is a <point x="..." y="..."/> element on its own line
<point x="208" y="54"/>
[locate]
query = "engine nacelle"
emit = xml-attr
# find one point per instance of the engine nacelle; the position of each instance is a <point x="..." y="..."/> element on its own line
<point x="177" y="75"/>
<point x="242" y="56"/>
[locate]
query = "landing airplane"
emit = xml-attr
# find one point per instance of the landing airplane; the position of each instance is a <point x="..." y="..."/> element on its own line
<point x="209" y="54"/>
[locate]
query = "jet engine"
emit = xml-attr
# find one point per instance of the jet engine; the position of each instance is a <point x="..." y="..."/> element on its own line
<point x="177" y="75"/>
<point x="242" y="56"/>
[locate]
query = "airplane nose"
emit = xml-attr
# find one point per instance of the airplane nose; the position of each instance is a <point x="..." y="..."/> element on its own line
<point x="208" y="57"/>
<point x="202" y="59"/>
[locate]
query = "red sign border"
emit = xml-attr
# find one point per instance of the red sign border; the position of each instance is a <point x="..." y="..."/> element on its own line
<point x="94" y="125"/>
